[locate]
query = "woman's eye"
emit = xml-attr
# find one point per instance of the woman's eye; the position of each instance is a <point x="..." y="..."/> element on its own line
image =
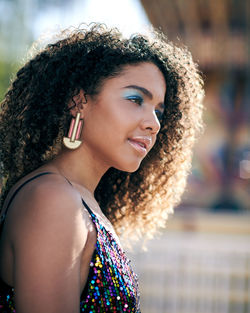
<point x="135" y="99"/>
<point x="159" y="114"/>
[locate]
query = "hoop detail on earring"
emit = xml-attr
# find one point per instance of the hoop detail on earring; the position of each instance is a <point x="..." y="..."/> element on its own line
<point x="74" y="133"/>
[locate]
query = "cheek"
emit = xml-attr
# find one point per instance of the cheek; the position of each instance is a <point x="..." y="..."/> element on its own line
<point x="113" y="120"/>
<point x="102" y="126"/>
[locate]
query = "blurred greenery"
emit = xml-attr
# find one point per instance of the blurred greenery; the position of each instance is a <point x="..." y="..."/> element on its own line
<point x="7" y="72"/>
<point x="15" y="36"/>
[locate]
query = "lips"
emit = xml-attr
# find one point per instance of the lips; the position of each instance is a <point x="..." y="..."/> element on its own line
<point x="142" y="141"/>
<point x="141" y="144"/>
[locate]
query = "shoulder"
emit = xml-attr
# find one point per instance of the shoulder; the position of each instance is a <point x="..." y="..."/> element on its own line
<point x="47" y="204"/>
<point x="48" y="234"/>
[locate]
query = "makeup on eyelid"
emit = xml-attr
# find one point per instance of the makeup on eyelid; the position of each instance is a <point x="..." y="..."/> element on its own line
<point x="160" y="112"/>
<point x="134" y="95"/>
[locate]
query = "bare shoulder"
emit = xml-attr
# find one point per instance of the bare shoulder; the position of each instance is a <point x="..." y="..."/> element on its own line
<point x="48" y="202"/>
<point x="48" y="231"/>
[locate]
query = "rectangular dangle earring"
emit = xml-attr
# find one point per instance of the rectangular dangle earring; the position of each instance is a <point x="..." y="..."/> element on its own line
<point x="75" y="129"/>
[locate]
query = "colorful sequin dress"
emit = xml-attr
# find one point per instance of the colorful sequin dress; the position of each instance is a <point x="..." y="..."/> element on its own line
<point x="112" y="286"/>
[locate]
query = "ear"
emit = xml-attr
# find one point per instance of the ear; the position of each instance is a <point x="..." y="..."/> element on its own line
<point x="78" y="103"/>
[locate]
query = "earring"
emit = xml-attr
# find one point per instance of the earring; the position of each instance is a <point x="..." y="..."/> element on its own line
<point x="74" y="133"/>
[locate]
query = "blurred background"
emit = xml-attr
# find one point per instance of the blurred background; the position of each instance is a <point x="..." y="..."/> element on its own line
<point x="201" y="262"/>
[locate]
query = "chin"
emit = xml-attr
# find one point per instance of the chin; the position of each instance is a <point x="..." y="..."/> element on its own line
<point x="129" y="168"/>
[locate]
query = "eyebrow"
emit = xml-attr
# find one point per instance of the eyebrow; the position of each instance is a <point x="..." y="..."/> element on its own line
<point x="143" y="90"/>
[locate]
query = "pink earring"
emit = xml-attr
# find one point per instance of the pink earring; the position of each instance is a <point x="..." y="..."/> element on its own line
<point x="74" y="133"/>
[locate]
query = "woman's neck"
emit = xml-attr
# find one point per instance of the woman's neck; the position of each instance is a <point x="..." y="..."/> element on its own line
<point x="79" y="168"/>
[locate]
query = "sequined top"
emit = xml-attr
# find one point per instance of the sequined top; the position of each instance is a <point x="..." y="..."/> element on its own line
<point x="112" y="286"/>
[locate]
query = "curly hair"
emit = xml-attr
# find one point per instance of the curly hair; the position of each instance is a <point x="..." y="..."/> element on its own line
<point x="34" y="119"/>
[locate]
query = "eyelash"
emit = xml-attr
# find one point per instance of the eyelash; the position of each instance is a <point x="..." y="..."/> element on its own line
<point x="139" y="100"/>
<point x="135" y="99"/>
<point x="159" y="114"/>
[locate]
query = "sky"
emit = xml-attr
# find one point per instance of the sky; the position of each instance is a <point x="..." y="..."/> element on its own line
<point x="127" y="15"/>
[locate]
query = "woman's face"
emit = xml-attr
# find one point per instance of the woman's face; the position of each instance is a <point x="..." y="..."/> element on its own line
<point x="121" y="123"/>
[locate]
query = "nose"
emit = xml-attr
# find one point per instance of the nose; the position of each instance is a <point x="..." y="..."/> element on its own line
<point x="151" y="123"/>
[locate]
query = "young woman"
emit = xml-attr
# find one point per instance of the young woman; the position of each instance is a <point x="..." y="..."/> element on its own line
<point x="96" y="136"/>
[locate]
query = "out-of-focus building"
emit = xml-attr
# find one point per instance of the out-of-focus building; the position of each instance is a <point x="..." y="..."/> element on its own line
<point x="218" y="35"/>
<point x="201" y="262"/>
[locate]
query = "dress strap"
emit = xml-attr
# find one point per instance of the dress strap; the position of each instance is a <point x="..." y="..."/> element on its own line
<point x="83" y="202"/>
<point x="32" y="178"/>
<point x="19" y="188"/>
<point x="88" y="208"/>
